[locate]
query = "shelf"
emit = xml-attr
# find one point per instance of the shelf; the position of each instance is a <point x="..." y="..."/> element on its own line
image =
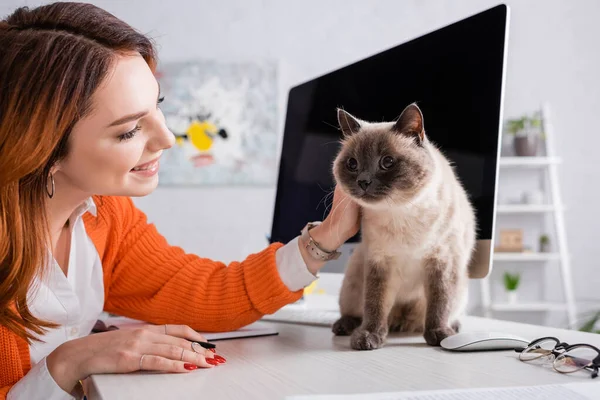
<point x="525" y="208"/>
<point x="500" y="256"/>
<point x="528" y="162"/>
<point x="528" y="307"/>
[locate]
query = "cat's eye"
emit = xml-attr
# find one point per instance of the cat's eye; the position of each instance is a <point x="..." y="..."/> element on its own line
<point x="386" y="162"/>
<point x="352" y="164"/>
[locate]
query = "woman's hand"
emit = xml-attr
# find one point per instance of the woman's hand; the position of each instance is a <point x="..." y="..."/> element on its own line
<point x="341" y="224"/>
<point x="343" y="221"/>
<point x="166" y="348"/>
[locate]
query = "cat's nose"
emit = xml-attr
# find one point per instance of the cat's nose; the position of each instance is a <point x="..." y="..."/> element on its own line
<point x="364" y="183"/>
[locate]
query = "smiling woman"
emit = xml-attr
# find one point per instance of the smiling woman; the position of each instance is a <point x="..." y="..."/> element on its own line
<point x="119" y="158"/>
<point x="81" y="132"/>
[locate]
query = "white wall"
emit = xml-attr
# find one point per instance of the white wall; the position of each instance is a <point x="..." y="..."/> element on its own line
<point x="553" y="56"/>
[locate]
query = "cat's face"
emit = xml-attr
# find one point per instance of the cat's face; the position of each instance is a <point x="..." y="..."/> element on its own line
<point x="386" y="163"/>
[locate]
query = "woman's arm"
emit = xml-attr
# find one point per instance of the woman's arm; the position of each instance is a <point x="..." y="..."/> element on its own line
<point x="159" y="283"/>
<point x="39" y="384"/>
<point x="150" y="348"/>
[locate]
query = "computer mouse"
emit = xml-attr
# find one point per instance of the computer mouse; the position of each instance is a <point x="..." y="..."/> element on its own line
<point x="482" y="340"/>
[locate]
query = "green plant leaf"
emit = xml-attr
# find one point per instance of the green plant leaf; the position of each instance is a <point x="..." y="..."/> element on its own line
<point x="591" y="323"/>
<point x="511" y="281"/>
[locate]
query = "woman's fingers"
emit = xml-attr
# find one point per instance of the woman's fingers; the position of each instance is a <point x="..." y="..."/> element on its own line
<point x="182" y="335"/>
<point x="184" y="331"/>
<point x="177" y="353"/>
<point x="149" y="362"/>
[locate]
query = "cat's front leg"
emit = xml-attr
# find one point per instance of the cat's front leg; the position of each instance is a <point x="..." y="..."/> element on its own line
<point x="351" y="294"/>
<point x="440" y="288"/>
<point x="378" y="297"/>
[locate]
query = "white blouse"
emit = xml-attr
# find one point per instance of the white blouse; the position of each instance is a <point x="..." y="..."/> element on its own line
<point x="75" y="301"/>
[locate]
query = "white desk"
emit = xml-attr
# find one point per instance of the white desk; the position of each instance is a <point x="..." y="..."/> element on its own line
<point x="308" y="359"/>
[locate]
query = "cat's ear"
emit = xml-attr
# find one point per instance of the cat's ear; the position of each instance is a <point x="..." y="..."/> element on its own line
<point x="348" y="123"/>
<point x="410" y="122"/>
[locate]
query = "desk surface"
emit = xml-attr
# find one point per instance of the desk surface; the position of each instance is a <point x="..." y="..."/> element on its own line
<point x="310" y="360"/>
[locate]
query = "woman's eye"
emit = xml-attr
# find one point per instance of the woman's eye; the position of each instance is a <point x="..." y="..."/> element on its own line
<point x="386" y="162"/>
<point x="352" y="164"/>
<point x="130" y="134"/>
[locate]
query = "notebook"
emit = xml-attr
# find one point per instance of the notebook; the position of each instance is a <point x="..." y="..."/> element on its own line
<point x="570" y="391"/>
<point x="253" y="330"/>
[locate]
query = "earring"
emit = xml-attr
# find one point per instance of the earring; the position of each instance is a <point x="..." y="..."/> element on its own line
<point x="50" y="194"/>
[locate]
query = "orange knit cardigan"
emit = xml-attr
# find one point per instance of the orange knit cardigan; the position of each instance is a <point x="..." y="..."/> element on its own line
<point x="145" y="278"/>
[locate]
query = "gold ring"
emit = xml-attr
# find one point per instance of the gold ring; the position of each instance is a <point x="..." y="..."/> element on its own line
<point x="141" y="360"/>
<point x="165" y="329"/>
<point x="182" y="351"/>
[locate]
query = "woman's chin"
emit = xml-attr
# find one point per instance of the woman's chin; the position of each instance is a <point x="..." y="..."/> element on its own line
<point x="140" y="187"/>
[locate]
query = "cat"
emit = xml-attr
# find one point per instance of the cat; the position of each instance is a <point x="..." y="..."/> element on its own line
<point x="418" y="231"/>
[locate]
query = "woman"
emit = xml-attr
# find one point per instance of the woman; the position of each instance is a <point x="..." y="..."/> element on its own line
<point x="80" y="132"/>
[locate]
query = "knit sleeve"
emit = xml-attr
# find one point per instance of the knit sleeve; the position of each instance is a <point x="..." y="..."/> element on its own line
<point x="14" y="360"/>
<point x="159" y="283"/>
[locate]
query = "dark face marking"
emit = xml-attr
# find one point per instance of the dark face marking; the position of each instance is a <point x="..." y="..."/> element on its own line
<point x="373" y="166"/>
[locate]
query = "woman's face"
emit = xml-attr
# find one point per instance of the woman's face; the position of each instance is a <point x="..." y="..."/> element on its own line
<point x="115" y="149"/>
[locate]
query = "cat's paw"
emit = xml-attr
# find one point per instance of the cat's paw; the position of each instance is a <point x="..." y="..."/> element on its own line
<point x="433" y="337"/>
<point x="456" y="326"/>
<point x="364" y="340"/>
<point x="345" y="325"/>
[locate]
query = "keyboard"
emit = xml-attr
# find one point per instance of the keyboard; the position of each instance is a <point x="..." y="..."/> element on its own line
<point x="304" y="316"/>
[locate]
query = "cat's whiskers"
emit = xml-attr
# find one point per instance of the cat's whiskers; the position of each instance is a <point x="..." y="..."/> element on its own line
<point x="345" y="200"/>
<point x="338" y="206"/>
<point x="325" y="199"/>
<point x="343" y="212"/>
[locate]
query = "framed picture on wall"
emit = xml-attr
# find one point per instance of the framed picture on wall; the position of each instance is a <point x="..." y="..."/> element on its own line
<point x="224" y="118"/>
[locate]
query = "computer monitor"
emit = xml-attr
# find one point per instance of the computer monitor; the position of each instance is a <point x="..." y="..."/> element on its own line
<point x="456" y="76"/>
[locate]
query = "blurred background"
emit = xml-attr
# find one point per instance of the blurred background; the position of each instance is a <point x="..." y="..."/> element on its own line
<point x="553" y="59"/>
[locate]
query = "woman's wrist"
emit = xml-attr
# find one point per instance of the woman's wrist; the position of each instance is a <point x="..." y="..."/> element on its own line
<point x="328" y="237"/>
<point x="65" y="367"/>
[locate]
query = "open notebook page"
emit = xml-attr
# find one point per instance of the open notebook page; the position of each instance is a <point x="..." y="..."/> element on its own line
<point x="575" y="391"/>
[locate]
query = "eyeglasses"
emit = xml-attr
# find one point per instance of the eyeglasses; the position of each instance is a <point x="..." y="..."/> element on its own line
<point x="565" y="358"/>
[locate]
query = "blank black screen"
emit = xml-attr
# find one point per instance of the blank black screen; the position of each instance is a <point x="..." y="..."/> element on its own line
<point x="454" y="74"/>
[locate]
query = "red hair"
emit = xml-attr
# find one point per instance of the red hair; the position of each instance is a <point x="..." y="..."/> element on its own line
<point x="54" y="57"/>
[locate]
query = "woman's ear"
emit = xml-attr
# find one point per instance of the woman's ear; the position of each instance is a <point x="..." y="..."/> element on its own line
<point x="55" y="168"/>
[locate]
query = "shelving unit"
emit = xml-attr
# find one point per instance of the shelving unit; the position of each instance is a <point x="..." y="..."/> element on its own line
<point x="529" y="307"/>
<point x="526" y="257"/>
<point x="525" y="208"/>
<point x="531" y="162"/>
<point x="548" y="165"/>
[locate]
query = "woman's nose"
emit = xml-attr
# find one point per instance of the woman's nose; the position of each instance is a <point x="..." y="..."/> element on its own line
<point x="162" y="137"/>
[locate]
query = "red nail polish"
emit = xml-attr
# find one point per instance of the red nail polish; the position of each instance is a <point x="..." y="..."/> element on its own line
<point x="212" y="361"/>
<point x="190" y="366"/>
<point x="213" y="350"/>
<point x="220" y="359"/>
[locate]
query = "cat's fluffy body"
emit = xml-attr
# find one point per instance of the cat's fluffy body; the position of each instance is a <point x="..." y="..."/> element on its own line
<point x="409" y="273"/>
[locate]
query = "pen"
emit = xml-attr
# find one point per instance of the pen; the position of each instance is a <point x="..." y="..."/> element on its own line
<point x="207" y="345"/>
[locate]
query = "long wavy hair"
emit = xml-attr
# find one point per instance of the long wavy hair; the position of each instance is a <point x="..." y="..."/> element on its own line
<point x="53" y="58"/>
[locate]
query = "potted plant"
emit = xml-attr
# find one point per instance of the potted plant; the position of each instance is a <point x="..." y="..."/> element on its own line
<point x="527" y="133"/>
<point x="544" y="244"/>
<point x="591" y="324"/>
<point x="511" y="283"/>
